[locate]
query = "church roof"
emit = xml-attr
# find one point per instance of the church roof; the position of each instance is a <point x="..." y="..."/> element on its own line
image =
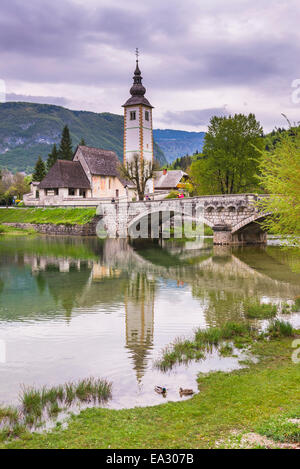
<point x="137" y="90"/>
<point x="100" y="162"/>
<point x="65" y="173"/>
<point x="168" y="180"/>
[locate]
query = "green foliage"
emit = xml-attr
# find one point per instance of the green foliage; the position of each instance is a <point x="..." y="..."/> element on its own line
<point x="65" y="151"/>
<point x="182" y="163"/>
<point x="279" y="176"/>
<point x="39" y="170"/>
<point x="52" y="157"/>
<point x="38" y="126"/>
<point x="229" y="164"/>
<point x="172" y="195"/>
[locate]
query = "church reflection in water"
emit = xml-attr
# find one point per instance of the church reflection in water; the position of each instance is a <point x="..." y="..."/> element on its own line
<point x="139" y="313"/>
<point x="50" y="277"/>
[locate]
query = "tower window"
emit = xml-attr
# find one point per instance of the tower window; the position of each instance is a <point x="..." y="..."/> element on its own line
<point x="146" y="115"/>
<point x="132" y="115"/>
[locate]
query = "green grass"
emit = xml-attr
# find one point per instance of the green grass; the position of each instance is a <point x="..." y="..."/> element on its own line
<point x="46" y="403"/>
<point x="280" y="329"/>
<point x="56" y="216"/>
<point x="12" y="231"/>
<point x="242" y="401"/>
<point x="257" y="310"/>
<point x="296" y="305"/>
<point x="184" y="350"/>
<point x="282" y="428"/>
<point x="35" y="402"/>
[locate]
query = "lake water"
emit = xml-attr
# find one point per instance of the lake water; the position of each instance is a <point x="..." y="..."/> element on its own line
<point x="77" y="307"/>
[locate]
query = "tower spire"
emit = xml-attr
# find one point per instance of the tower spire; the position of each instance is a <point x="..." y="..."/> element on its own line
<point x="137" y="90"/>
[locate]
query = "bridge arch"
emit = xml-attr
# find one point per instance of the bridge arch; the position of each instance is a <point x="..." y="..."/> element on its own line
<point x="256" y="217"/>
<point x="167" y="214"/>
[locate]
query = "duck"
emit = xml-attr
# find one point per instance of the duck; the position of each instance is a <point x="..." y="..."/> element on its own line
<point x="160" y="390"/>
<point x="186" y="392"/>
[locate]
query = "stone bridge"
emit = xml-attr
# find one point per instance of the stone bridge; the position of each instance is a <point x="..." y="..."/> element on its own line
<point x="234" y="219"/>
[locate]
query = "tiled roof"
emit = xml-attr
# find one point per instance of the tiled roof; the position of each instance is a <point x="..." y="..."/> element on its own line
<point x="65" y="173"/>
<point x="100" y="162"/>
<point x="168" y="180"/>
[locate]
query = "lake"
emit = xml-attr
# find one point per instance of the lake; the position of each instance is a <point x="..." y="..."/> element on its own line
<point x="72" y="308"/>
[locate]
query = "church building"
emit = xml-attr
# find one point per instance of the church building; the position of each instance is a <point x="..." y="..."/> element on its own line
<point x="93" y="174"/>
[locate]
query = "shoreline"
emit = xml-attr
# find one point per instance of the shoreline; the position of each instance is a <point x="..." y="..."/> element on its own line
<point x="227" y="406"/>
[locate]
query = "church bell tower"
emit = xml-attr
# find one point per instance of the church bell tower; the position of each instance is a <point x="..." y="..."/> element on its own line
<point x="138" y="130"/>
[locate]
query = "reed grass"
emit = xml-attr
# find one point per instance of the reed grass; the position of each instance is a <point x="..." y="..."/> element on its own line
<point x="35" y="402"/>
<point x="240" y="335"/>
<point x="257" y="310"/>
<point x="279" y="328"/>
<point x="184" y="350"/>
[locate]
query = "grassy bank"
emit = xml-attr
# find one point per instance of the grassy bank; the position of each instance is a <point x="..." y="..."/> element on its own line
<point x="12" y="231"/>
<point x="241" y="336"/>
<point x="56" y="216"/>
<point x="39" y="405"/>
<point x="262" y="399"/>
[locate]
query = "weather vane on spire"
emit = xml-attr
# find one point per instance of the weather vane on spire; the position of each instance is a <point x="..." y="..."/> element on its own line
<point x="137" y="53"/>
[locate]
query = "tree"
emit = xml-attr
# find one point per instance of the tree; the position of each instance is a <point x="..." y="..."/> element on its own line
<point x="65" y="151"/>
<point x="280" y="176"/>
<point x="52" y="157"/>
<point x="20" y="185"/>
<point x="39" y="170"/>
<point x="230" y="156"/>
<point x="82" y="142"/>
<point x="6" y="180"/>
<point x="139" y="172"/>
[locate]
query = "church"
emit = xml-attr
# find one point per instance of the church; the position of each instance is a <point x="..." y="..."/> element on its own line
<point x="93" y="174"/>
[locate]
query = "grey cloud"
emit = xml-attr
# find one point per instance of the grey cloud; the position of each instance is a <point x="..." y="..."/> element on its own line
<point x="49" y="41"/>
<point x="56" y="100"/>
<point x="185" y="45"/>
<point x="194" y="117"/>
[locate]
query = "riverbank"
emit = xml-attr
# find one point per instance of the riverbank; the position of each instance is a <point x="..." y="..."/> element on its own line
<point x="52" y="221"/>
<point x="258" y="406"/>
<point x="6" y="230"/>
<point x="55" y="216"/>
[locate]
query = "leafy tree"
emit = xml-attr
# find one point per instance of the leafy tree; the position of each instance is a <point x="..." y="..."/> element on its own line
<point x="20" y="185"/>
<point x="39" y="170"/>
<point x="230" y="156"/>
<point x="82" y="142"/>
<point x="138" y="171"/>
<point x="65" y="151"/>
<point x="6" y="180"/>
<point x="52" y="157"/>
<point x="280" y="176"/>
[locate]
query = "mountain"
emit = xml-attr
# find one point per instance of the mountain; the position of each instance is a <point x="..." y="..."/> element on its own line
<point x="28" y="130"/>
<point x="177" y="143"/>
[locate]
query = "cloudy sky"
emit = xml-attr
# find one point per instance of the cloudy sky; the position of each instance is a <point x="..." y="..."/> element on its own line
<point x="198" y="57"/>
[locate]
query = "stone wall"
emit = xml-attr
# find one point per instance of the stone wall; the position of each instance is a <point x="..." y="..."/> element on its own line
<point x="89" y="229"/>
